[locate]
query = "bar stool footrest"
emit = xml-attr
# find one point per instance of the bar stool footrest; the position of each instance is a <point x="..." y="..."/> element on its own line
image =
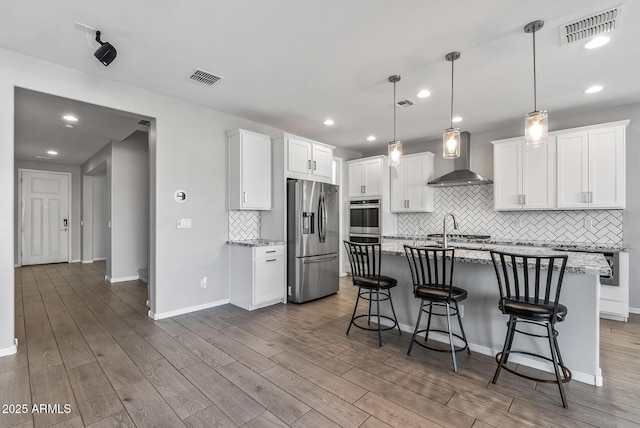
<point x="374" y="317"/>
<point x="456" y="335"/>
<point x="566" y="373"/>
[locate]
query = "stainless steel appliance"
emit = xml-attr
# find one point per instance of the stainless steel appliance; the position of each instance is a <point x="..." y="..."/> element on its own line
<point x="312" y="240"/>
<point x="613" y="258"/>
<point x="365" y="217"/>
<point x="363" y="238"/>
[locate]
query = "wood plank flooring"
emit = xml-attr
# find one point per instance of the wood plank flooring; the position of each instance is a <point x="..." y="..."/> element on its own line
<point x="88" y="344"/>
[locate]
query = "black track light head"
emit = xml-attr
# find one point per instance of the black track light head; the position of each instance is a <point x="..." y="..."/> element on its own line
<point x="106" y="53"/>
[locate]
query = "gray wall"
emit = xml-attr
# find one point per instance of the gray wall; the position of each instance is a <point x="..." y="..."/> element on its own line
<point x="187" y="151"/>
<point x="100" y="216"/>
<point x="482" y="163"/>
<point x="130" y="205"/>
<point x="76" y="191"/>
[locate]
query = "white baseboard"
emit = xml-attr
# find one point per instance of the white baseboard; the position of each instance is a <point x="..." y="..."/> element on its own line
<point x="10" y="350"/>
<point x="169" y="314"/>
<point x="519" y="359"/>
<point x="634" y="310"/>
<point x="75" y="261"/>
<point x="84" y="262"/>
<point x="97" y="259"/>
<point x="122" y="279"/>
<point x="17" y="266"/>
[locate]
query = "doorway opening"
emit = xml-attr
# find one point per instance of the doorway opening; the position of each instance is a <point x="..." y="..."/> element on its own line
<point x="104" y="156"/>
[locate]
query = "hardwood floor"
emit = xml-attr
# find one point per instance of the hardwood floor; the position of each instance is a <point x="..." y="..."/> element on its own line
<point x="88" y="344"/>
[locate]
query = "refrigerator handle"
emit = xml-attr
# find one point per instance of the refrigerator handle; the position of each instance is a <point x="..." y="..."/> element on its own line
<point x="324" y="219"/>
<point x="320" y="219"/>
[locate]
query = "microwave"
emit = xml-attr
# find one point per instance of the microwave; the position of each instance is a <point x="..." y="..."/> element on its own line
<point x="365" y="217"/>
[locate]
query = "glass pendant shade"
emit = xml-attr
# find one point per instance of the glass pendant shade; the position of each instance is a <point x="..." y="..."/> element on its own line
<point x="536" y="128"/>
<point x="395" y="153"/>
<point x="451" y="143"/>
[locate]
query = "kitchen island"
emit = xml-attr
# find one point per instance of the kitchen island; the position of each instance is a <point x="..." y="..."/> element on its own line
<point x="486" y="326"/>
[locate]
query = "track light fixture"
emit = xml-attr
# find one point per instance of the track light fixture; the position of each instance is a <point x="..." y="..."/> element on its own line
<point x="106" y="53"/>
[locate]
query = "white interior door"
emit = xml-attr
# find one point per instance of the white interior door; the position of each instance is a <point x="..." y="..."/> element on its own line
<point x="45" y="217"/>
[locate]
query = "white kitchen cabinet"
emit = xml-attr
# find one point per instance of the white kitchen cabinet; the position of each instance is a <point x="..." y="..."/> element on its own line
<point x="591" y="167"/>
<point x="364" y="177"/>
<point x="257" y="276"/>
<point x="249" y="171"/>
<point x="308" y="160"/>
<point x="524" y="177"/>
<point x="410" y="191"/>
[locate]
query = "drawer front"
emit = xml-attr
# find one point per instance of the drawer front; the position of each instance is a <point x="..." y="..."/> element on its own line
<point x="269" y="251"/>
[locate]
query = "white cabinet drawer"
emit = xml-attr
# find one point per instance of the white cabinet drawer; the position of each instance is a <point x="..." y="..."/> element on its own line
<point x="268" y="251"/>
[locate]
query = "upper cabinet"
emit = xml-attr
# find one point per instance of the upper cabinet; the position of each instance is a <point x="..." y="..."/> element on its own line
<point x="249" y="171"/>
<point x="364" y="177"/>
<point x="410" y="191"/>
<point x="307" y="159"/>
<point x="580" y="168"/>
<point x="524" y="177"/>
<point x="591" y="167"/>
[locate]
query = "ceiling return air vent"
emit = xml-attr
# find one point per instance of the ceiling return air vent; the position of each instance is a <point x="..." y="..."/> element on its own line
<point x="144" y="122"/>
<point x="405" y="103"/>
<point x="590" y="26"/>
<point x="203" y="77"/>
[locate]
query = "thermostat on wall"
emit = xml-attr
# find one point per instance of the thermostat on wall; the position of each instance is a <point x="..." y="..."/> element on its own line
<point x="180" y="196"/>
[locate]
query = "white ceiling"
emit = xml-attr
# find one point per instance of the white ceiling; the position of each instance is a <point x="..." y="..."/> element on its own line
<point x="39" y="127"/>
<point x="291" y="64"/>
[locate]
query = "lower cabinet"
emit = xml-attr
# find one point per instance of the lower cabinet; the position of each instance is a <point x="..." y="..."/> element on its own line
<point x="257" y="276"/>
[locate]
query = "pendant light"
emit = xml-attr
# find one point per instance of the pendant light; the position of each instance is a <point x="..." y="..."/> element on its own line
<point x="395" y="146"/>
<point x="536" y="125"/>
<point x="451" y="135"/>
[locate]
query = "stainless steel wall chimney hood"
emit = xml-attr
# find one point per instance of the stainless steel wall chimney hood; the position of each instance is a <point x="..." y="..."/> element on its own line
<point x="461" y="175"/>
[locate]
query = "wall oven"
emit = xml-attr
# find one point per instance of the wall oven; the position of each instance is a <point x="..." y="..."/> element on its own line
<point x="363" y="238"/>
<point x="365" y="217"/>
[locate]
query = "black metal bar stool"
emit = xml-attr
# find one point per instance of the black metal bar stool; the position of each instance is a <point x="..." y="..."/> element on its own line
<point x="434" y="287"/>
<point x="529" y="293"/>
<point x="365" y="274"/>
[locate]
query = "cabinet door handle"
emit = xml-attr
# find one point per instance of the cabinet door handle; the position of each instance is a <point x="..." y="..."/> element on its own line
<point x="309" y="164"/>
<point x="364" y="189"/>
<point x="590" y="197"/>
<point x="361" y="189"/>
<point x="272" y="251"/>
<point x="271" y="260"/>
<point x="244" y="197"/>
<point x="314" y="165"/>
<point x="524" y="199"/>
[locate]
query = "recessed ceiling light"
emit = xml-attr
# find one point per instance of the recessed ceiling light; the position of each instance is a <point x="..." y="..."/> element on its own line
<point x="423" y="94"/>
<point x="456" y="119"/>
<point x="593" y="89"/>
<point x="68" y="125"/>
<point x="52" y="152"/>
<point x="70" y="118"/>
<point x="329" y="122"/>
<point x="597" y="42"/>
<point x="371" y="138"/>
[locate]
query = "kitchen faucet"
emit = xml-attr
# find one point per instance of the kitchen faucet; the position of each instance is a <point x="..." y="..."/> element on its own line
<point x="444" y="228"/>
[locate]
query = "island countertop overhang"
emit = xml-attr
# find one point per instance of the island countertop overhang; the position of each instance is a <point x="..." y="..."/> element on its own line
<point x="577" y="262"/>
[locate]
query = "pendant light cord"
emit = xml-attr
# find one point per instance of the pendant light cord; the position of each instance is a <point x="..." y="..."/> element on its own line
<point x="535" y="100"/>
<point x="394" y="112"/>
<point x="451" y="116"/>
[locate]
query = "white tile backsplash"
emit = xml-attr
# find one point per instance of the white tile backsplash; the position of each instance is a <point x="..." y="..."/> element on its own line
<point x="244" y="225"/>
<point x="473" y="207"/>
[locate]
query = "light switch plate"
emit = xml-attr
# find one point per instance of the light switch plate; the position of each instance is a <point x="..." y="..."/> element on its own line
<point x="183" y="223"/>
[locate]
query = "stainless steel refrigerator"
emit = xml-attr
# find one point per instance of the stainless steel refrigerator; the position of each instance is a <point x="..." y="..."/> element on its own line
<point x="312" y="240"/>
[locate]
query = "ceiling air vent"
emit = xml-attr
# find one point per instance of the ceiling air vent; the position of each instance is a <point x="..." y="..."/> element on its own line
<point x="405" y="103"/>
<point x="203" y="77"/>
<point x="144" y="122"/>
<point x="42" y="157"/>
<point x="590" y="26"/>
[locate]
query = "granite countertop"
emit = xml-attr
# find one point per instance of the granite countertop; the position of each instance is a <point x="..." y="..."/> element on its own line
<point x="577" y="262"/>
<point x="570" y="246"/>
<point x="255" y="242"/>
